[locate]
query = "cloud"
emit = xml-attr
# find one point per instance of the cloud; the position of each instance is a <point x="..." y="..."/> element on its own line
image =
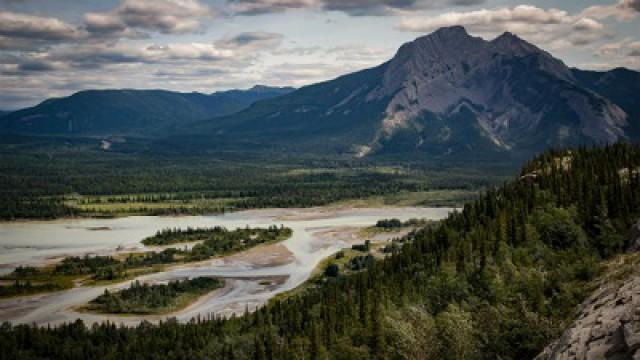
<point x="621" y="53"/>
<point x="350" y="7"/>
<point x="257" y="7"/>
<point x="109" y="26"/>
<point x="99" y="55"/>
<point x="131" y="19"/>
<point x="190" y="51"/>
<point x="164" y="16"/>
<point x="13" y="25"/>
<point x="28" y="32"/>
<point x="251" y="41"/>
<point x="551" y="27"/>
<point x="623" y="10"/>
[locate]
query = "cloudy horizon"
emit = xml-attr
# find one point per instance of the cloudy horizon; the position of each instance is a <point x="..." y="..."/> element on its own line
<point x="52" y="49"/>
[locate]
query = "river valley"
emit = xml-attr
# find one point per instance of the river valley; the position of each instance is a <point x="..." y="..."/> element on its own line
<point x="252" y="277"/>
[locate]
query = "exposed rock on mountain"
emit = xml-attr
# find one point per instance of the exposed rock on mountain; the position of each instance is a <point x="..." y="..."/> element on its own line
<point x="607" y="325"/>
<point x="608" y="322"/>
<point x="448" y="94"/>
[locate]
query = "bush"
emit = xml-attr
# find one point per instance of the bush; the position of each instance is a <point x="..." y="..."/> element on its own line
<point x="332" y="270"/>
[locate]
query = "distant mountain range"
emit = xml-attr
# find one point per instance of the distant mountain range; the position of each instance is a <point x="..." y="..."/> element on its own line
<point x="130" y="112"/>
<point x="447" y="95"/>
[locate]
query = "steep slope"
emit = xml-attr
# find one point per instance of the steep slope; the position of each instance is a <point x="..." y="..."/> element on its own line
<point x="442" y="96"/>
<point x="328" y="117"/>
<point x="126" y="112"/>
<point x="607" y="325"/>
<point x="622" y="86"/>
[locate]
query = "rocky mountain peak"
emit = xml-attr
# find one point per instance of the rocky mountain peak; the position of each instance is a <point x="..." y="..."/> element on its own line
<point x="449" y="70"/>
<point x="511" y="43"/>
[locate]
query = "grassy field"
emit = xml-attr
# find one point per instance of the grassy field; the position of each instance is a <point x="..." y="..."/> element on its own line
<point x="135" y="204"/>
<point x="419" y="198"/>
<point x="43" y="282"/>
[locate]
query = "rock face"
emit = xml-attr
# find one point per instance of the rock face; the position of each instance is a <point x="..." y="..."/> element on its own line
<point x="608" y="323"/>
<point x="511" y="87"/>
<point x="607" y="326"/>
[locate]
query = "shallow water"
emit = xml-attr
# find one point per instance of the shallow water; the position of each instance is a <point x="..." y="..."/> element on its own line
<point x="36" y="243"/>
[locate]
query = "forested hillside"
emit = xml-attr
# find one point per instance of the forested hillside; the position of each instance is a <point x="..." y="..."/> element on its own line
<point x="129" y="112"/>
<point x="500" y="279"/>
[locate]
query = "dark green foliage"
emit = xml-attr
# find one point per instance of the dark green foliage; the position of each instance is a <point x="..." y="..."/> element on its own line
<point x="83" y="265"/>
<point x="25" y="271"/>
<point x="389" y="223"/>
<point x="362" y="247"/>
<point x="20" y="287"/>
<point x="485" y="283"/>
<point x="360" y="262"/>
<point x="332" y="270"/>
<point x="143" y="298"/>
<point x="220" y="241"/>
<point x="218" y="237"/>
<point x="38" y="175"/>
<point x="396" y="223"/>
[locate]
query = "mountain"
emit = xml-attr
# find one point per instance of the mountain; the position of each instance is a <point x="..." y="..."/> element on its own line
<point x="129" y="112"/>
<point x="445" y="95"/>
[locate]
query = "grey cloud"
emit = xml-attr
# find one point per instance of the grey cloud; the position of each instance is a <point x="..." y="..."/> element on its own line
<point x="21" y="32"/>
<point x="13" y="25"/>
<point x="36" y="66"/>
<point x="165" y="16"/>
<point x="351" y="7"/>
<point x="96" y="56"/>
<point x="253" y="41"/>
<point x="257" y="7"/>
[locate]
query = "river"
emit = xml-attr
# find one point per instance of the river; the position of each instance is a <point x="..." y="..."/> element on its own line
<point x="317" y="233"/>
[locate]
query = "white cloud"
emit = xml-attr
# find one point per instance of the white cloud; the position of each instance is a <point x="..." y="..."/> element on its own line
<point x="549" y="27"/>
<point x="622" y="53"/>
<point x="623" y="10"/>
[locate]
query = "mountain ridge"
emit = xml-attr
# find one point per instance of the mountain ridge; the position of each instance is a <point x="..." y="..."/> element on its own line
<point x="129" y="111"/>
<point x="443" y="97"/>
<point x="447" y="94"/>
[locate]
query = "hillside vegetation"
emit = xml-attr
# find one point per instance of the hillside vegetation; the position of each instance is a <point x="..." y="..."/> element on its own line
<point x="499" y="279"/>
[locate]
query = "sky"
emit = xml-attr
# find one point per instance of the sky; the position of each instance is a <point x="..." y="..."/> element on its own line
<point x="53" y="48"/>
